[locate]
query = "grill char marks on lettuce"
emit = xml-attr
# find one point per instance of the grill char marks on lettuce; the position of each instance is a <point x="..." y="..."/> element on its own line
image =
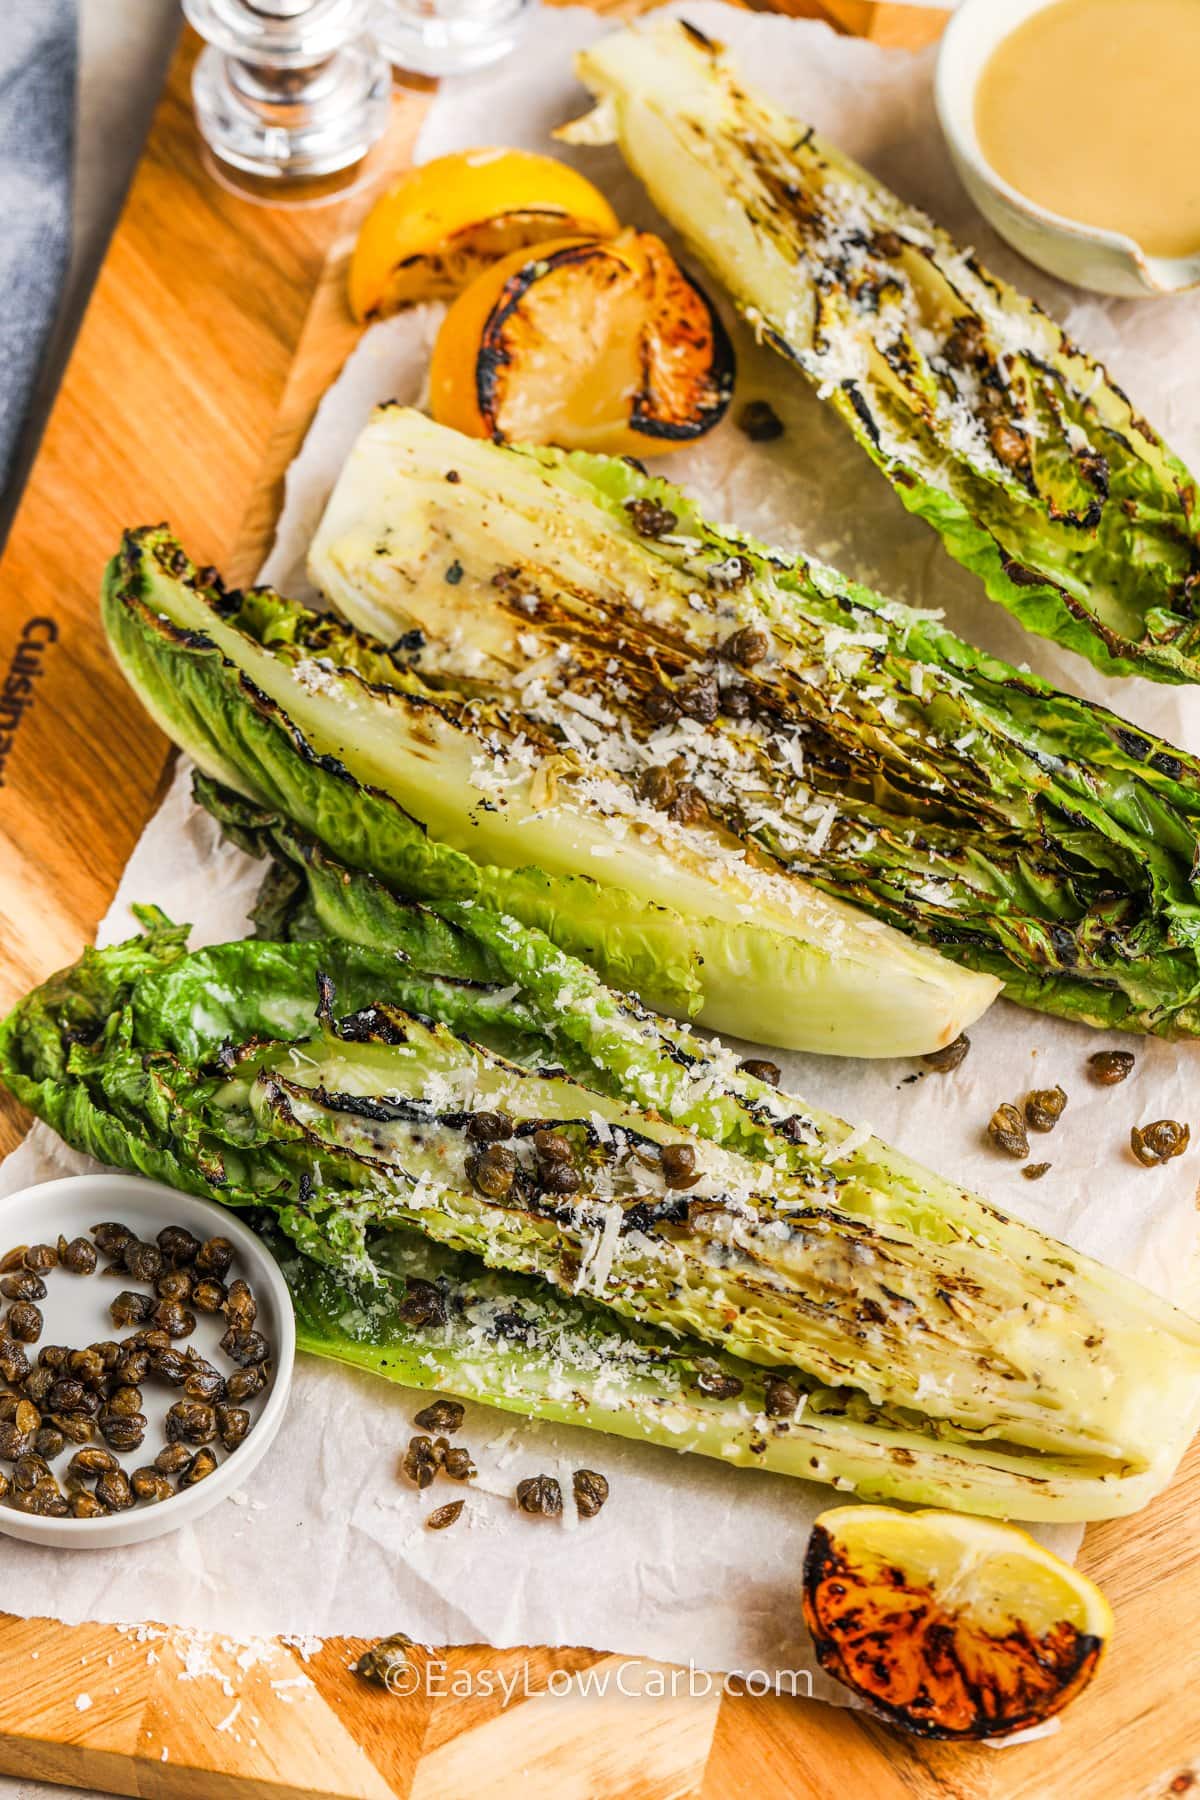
<point x="852" y="741"/>
<point x="808" y="1246"/>
<point x="1017" y="447"/>
<point x="395" y="777"/>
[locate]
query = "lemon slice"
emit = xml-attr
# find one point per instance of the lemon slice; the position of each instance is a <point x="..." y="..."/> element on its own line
<point x="433" y="232"/>
<point x="600" y="344"/>
<point x="951" y="1627"/>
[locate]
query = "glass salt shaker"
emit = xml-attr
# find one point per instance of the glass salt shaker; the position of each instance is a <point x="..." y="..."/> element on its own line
<point x="449" y="37"/>
<point x="289" y="90"/>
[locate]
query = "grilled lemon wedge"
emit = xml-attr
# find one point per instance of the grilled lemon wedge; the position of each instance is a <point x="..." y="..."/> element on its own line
<point x="948" y="1626"/>
<point x="442" y="223"/>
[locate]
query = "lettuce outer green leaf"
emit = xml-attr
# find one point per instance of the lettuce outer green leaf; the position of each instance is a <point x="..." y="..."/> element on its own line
<point x="1027" y="459"/>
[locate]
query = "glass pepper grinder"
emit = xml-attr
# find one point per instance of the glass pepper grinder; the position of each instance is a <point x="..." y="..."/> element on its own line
<point x="289" y="90"/>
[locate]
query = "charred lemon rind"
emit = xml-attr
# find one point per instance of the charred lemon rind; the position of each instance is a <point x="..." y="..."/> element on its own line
<point x="949" y="1627"/>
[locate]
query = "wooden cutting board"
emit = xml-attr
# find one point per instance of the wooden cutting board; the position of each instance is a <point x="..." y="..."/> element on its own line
<point x="214" y="328"/>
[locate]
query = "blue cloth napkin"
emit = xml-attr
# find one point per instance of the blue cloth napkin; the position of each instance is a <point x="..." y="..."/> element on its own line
<point x="37" y="127"/>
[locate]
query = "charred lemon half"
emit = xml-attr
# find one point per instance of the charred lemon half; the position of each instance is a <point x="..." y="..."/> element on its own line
<point x="590" y="344"/>
<point x="435" y="229"/>
<point x="950" y="1627"/>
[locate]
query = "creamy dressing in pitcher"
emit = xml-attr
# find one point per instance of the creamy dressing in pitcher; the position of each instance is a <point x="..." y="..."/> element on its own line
<point x="1091" y="108"/>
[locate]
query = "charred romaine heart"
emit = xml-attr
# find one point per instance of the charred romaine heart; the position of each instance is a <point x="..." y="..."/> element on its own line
<point x="448" y="1077"/>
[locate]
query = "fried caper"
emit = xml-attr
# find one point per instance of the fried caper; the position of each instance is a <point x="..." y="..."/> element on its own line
<point x="457" y="1464"/>
<point x="130" y="1308"/>
<point x="204" y="1382"/>
<point x="203" y="1464"/>
<point x="45" y="1501"/>
<point x="87" y="1464"/>
<point x="243" y="1347"/>
<point x="678" y="1163"/>
<point x="124" y="1431"/>
<point x="87" y="1366"/>
<point x="178" y="1246"/>
<point x="241" y="1308"/>
<point x="168" y="1364"/>
<point x="28" y="1470"/>
<point x="14" y="1364"/>
<point x="243" y="1384"/>
<point x="1044" y="1108"/>
<point x="747" y="647"/>
<point x="174" y="1284"/>
<point x="1006" y="1128"/>
<point x="1108" y="1067"/>
<point x="24" y="1285"/>
<point x="949" y="1057"/>
<point x="489" y="1127"/>
<point x="24" y="1322"/>
<point x="443" y="1516"/>
<point x="173" y="1459"/>
<point x="441" y="1415"/>
<point x="552" y="1146"/>
<point x="233" y="1423"/>
<point x="148" y="1484"/>
<point x="540" y="1496"/>
<point x="215" y="1257"/>
<point x="113" y="1491"/>
<point x="208" y="1295"/>
<point x="111" y="1238"/>
<point x="711" y="1379"/>
<point x="493" y="1171"/>
<point x="780" y="1397"/>
<point x="78" y="1257"/>
<point x="1159" y="1142"/>
<point x="761" y="1070"/>
<point x="420" y="1462"/>
<point x="49" y="1442"/>
<point x="176" y="1320"/>
<point x="590" y="1490"/>
<point x="560" y="1178"/>
<point x="190" y="1422"/>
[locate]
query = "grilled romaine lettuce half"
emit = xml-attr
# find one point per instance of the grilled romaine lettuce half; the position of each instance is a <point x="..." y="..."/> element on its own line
<point x="924" y="1313"/>
<point x="853" y="742"/>
<point x="433" y="1318"/>
<point x="992" y="425"/>
<point x="447" y="795"/>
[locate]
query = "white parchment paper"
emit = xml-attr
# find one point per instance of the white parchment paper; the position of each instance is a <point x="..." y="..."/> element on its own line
<point x="689" y="1559"/>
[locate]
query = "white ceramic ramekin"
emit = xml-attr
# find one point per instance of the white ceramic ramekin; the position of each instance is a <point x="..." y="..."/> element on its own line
<point x="1106" y="261"/>
<point x="76" y="1313"/>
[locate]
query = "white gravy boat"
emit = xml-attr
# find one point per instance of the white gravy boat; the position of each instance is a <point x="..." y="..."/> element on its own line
<point x="1106" y="261"/>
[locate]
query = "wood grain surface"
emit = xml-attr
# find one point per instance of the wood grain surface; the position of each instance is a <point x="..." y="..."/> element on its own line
<point x="215" y="326"/>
